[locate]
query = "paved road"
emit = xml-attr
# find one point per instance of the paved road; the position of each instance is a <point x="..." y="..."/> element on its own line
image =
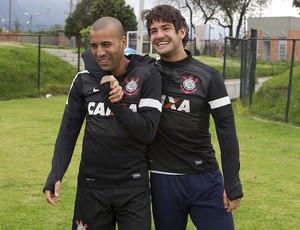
<point x="233" y="86"/>
<point x="70" y="56"/>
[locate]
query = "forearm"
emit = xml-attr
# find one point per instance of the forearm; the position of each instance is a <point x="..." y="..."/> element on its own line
<point x="229" y="148"/>
<point x="141" y="124"/>
<point x="70" y="127"/>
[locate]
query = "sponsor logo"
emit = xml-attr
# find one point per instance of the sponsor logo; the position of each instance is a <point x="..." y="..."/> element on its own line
<point x="81" y="225"/>
<point x="189" y="84"/>
<point x="175" y="104"/>
<point x="136" y="176"/>
<point x="99" y="109"/>
<point x="95" y="108"/>
<point x="95" y="90"/>
<point x="131" y="87"/>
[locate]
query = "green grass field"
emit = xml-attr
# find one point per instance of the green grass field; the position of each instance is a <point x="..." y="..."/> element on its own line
<point x="270" y="101"/>
<point x="270" y="164"/>
<point x="19" y="72"/>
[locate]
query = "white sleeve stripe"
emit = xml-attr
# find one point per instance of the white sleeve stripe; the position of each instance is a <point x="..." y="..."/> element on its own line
<point x="219" y="102"/>
<point x="167" y="173"/>
<point x="84" y="71"/>
<point x="148" y="102"/>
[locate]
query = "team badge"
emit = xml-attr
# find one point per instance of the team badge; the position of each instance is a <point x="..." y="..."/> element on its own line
<point x="80" y="225"/>
<point x="131" y="87"/>
<point x="189" y="84"/>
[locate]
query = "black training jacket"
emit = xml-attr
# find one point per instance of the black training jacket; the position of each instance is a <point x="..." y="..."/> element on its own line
<point x="115" y="135"/>
<point x="192" y="92"/>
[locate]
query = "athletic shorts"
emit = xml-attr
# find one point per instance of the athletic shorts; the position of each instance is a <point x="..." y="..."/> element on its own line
<point x="200" y="196"/>
<point x="103" y="209"/>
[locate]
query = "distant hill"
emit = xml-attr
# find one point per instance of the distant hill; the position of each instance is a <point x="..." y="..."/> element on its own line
<point x="50" y="13"/>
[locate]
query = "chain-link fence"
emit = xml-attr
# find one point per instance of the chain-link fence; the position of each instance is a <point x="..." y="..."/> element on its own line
<point x="31" y="65"/>
<point x="269" y="74"/>
<point x="268" y="70"/>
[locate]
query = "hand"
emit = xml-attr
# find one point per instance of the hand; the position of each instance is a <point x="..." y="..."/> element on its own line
<point x="116" y="92"/>
<point x="230" y="205"/>
<point x="53" y="198"/>
<point x="108" y="78"/>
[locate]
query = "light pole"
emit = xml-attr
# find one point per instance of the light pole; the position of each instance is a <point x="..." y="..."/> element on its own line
<point x="9" y="17"/>
<point x="139" y="44"/>
<point x="3" y="20"/>
<point x="209" y="37"/>
<point x="30" y="18"/>
<point x="5" y="24"/>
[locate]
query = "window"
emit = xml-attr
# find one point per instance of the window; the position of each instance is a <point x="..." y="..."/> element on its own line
<point x="282" y="49"/>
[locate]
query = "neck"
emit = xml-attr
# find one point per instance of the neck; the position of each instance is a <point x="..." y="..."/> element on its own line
<point x="174" y="57"/>
<point x="122" y="67"/>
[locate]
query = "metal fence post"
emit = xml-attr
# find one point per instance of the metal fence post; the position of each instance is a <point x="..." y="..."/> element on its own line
<point x="243" y="76"/>
<point x="224" y="57"/>
<point x="39" y="65"/>
<point x="78" y="52"/>
<point x="86" y="42"/>
<point x="253" y="48"/>
<point x="290" y="83"/>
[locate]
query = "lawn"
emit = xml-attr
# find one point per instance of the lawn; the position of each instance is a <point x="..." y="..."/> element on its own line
<point x="271" y="100"/>
<point x="270" y="163"/>
<point x="19" y="72"/>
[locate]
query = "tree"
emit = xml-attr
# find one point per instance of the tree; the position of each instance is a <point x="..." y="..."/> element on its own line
<point x="229" y="14"/>
<point x="80" y="18"/>
<point x="296" y="3"/>
<point x="17" y="25"/>
<point x="88" y="11"/>
<point x="117" y="9"/>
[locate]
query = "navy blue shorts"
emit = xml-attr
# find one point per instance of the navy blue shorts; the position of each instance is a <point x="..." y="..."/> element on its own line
<point x="102" y="209"/>
<point x="175" y="197"/>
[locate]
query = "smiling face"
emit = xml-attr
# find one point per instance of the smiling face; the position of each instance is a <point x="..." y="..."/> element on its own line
<point x="107" y="45"/>
<point x="166" y="41"/>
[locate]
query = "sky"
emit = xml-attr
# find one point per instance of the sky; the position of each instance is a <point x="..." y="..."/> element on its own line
<point x="136" y="5"/>
<point x="55" y="11"/>
<point x="277" y="8"/>
<point x="49" y="12"/>
<point x="281" y="8"/>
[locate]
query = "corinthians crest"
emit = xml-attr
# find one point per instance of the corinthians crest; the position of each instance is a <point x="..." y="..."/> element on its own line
<point x="189" y="84"/>
<point x="131" y="87"/>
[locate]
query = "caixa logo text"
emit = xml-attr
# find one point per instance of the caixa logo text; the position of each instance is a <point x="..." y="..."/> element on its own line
<point x="99" y="109"/>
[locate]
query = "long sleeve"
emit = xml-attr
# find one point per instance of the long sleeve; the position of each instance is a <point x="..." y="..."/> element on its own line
<point x="70" y="127"/>
<point x="223" y="116"/>
<point x="141" y="124"/>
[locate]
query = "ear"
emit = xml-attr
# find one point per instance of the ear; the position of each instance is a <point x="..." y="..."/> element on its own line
<point x="124" y="42"/>
<point x="182" y="32"/>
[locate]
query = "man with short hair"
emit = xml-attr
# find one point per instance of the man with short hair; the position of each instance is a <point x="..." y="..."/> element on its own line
<point x="113" y="183"/>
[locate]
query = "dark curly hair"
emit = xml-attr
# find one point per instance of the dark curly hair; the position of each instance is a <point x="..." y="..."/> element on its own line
<point x="166" y="13"/>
